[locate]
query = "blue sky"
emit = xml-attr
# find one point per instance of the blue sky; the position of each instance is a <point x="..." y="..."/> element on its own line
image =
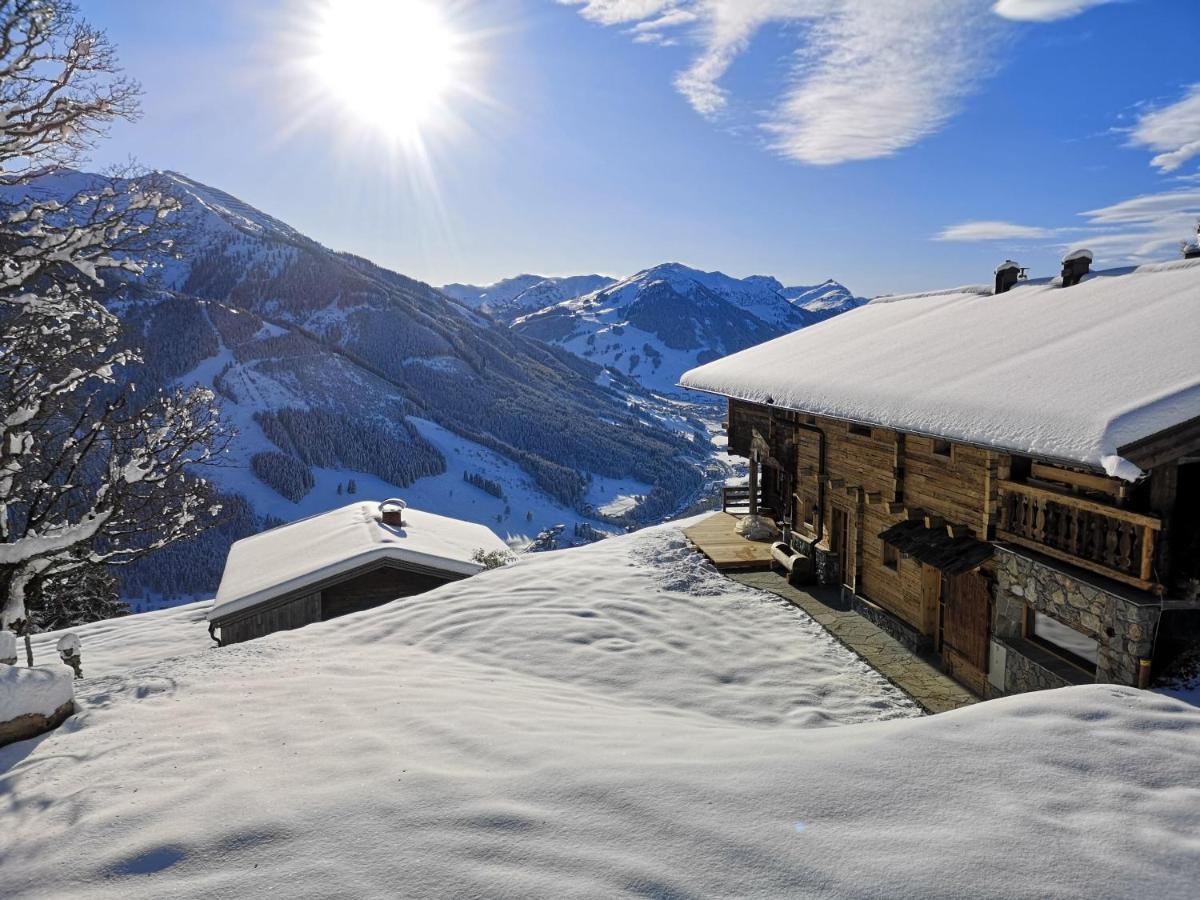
<point x="891" y="145"/>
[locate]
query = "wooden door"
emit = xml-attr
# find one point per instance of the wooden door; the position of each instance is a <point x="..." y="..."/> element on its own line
<point x="931" y="600"/>
<point x="840" y="539"/>
<point x="966" y="629"/>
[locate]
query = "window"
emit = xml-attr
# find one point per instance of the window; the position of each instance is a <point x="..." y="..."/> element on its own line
<point x="1061" y="639"/>
<point x="891" y="557"/>
<point x="861" y="430"/>
<point x="942" y="448"/>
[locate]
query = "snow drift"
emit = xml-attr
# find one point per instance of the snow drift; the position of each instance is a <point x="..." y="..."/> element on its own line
<point x="38" y="691"/>
<point x="616" y="720"/>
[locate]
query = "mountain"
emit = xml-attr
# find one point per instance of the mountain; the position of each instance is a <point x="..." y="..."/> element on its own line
<point x="828" y="298"/>
<point x="664" y="320"/>
<point x="343" y="375"/>
<point x="513" y="297"/>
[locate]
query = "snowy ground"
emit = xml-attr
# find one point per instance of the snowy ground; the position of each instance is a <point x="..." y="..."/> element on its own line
<point x="615" y="720"/>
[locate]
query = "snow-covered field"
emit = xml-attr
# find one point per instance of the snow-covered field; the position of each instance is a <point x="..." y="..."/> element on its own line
<point x="614" y="720"/>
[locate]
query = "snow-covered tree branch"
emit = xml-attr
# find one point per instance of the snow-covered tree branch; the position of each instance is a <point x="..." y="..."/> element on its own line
<point x="90" y="472"/>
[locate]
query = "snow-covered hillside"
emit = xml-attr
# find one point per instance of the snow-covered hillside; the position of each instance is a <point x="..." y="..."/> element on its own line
<point x="337" y="371"/>
<point x="662" y="321"/>
<point x="615" y="720"/>
<point x="512" y="297"/>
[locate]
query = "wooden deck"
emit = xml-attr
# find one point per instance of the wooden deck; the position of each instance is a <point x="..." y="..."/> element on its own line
<point x="715" y="538"/>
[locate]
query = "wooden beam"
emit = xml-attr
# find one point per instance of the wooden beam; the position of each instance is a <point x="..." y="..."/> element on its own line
<point x="1065" y="499"/>
<point x="1142" y="583"/>
<point x="1102" y="483"/>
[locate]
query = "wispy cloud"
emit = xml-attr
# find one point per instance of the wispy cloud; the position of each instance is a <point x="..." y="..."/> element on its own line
<point x="1043" y="10"/>
<point x="875" y="78"/>
<point x="991" y="231"/>
<point x="1173" y="131"/>
<point x="1145" y="228"/>
<point x="868" y="78"/>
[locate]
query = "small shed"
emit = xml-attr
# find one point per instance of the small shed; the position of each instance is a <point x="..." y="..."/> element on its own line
<point x="339" y="562"/>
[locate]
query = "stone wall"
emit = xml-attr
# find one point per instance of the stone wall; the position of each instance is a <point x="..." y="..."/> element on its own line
<point x="1122" y="623"/>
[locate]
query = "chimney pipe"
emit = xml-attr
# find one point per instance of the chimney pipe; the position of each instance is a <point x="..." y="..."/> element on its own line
<point x="391" y="512"/>
<point x="1191" y="249"/>
<point x="1074" y="266"/>
<point x="1008" y="273"/>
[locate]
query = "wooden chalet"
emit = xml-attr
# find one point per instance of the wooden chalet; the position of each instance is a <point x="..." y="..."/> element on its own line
<point x="1008" y="477"/>
<point x="339" y="562"/>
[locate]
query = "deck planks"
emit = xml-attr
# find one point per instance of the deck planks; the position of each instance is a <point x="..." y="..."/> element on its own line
<point x="716" y="538"/>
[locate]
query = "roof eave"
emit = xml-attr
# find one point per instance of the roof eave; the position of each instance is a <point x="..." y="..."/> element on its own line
<point x="996" y="448"/>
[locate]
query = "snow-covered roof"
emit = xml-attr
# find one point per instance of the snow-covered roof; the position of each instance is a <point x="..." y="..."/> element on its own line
<point x="1070" y="374"/>
<point x="284" y="559"/>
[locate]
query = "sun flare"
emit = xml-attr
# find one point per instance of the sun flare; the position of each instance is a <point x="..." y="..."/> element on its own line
<point x="391" y="64"/>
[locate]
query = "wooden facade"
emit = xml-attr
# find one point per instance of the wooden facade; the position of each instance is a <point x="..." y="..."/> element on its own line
<point x="841" y="485"/>
<point x="362" y="588"/>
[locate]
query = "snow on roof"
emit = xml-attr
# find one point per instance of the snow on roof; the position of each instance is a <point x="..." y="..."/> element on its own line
<point x="276" y="562"/>
<point x="1071" y="374"/>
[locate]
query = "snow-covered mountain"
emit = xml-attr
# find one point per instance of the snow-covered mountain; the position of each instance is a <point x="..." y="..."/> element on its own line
<point x="664" y="320"/>
<point x="336" y="370"/>
<point x="522" y="294"/>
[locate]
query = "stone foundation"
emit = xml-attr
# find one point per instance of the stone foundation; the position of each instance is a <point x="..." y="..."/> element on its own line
<point x="1121" y="621"/>
<point x="905" y="634"/>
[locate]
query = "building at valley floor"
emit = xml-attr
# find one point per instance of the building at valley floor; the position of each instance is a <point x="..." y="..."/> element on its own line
<point x="343" y="561"/>
<point x="1007" y="476"/>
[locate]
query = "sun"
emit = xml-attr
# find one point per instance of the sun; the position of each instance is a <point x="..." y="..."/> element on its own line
<point x="392" y="65"/>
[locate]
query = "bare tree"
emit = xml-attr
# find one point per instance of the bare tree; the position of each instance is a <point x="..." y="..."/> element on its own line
<point x="90" y="472"/>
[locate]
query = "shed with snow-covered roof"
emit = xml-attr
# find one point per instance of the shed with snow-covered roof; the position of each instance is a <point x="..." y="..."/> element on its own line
<point x="339" y="562"/>
<point x="1007" y="475"/>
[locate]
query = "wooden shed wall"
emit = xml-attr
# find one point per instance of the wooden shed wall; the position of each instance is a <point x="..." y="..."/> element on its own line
<point x="373" y="589"/>
<point x="338" y="596"/>
<point x="255" y="623"/>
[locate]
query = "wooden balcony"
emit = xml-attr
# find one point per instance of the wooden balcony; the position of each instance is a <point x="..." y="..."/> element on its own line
<point x="1103" y="539"/>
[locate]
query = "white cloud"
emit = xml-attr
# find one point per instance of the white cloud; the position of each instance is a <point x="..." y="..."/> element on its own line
<point x="991" y="231"/>
<point x="1173" y="131"/>
<point x="875" y="78"/>
<point x="616" y="12"/>
<point x="1147" y="228"/>
<point x="868" y="78"/>
<point x="1043" y="10"/>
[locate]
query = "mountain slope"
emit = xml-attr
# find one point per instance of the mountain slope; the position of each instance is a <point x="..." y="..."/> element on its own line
<point x="513" y="297"/>
<point x="336" y="369"/>
<point x="664" y="320"/>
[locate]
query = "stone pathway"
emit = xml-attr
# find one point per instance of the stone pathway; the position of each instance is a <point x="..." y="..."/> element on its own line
<point x="933" y="690"/>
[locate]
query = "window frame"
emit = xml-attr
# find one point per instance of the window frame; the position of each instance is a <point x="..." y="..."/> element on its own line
<point x="859" y="430"/>
<point x="938" y="443"/>
<point x="1080" y="662"/>
<point x="891" y="557"/>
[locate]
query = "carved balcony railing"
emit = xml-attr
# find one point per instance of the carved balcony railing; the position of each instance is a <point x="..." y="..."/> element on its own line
<point x="1093" y="536"/>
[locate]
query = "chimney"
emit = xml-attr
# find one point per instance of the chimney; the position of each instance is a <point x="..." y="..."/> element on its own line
<point x="1008" y="273"/>
<point x="391" y="512"/>
<point x="1074" y="266"/>
<point x="1191" y="249"/>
